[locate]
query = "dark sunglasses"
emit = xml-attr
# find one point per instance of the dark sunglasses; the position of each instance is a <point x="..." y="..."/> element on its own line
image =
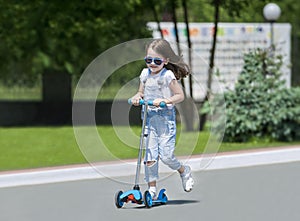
<point x="157" y="61"/>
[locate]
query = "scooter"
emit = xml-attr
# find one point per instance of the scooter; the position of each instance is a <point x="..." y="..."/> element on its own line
<point x="135" y="195"/>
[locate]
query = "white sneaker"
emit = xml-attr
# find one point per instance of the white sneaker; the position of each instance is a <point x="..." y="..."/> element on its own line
<point x="187" y="180"/>
<point x="153" y="194"/>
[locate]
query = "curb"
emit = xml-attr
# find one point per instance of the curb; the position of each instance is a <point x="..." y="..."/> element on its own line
<point x="127" y="168"/>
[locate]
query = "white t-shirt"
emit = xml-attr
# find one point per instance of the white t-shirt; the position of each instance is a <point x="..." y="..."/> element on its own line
<point x="157" y="86"/>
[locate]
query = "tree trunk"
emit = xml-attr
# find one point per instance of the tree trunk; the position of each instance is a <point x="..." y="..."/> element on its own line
<point x="203" y="118"/>
<point x="152" y="6"/>
<point x="174" y="18"/>
<point x="184" y="5"/>
<point x="185" y="106"/>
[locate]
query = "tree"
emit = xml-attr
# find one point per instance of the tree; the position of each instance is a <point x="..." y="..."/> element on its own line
<point x="200" y="11"/>
<point x="63" y="36"/>
<point x="260" y="106"/>
<point x="233" y="8"/>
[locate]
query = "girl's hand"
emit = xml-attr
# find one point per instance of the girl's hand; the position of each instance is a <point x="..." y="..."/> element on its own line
<point x="135" y="100"/>
<point x="157" y="101"/>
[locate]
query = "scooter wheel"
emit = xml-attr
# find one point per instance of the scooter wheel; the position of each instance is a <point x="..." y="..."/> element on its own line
<point x="118" y="201"/>
<point x="148" y="199"/>
<point x="164" y="199"/>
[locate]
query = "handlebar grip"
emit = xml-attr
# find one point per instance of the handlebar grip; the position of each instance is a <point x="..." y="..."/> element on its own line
<point x="142" y="102"/>
<point x="161" y="104"/>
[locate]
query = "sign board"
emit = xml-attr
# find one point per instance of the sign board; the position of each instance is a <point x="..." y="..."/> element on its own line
<point x="233" y="40"/>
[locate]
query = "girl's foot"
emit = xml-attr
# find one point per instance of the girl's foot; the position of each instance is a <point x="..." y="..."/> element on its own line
<point x="187" y="180"/>
<point x="152" y="191"/>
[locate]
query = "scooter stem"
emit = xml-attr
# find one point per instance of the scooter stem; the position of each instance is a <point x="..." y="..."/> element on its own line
<point x="138" y="167"/>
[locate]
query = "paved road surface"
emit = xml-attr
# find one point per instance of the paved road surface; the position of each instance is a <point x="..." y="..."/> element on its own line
<point x="260" y="193"/>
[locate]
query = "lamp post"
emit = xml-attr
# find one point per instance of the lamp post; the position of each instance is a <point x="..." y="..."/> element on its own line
<point x="271" y="13"/>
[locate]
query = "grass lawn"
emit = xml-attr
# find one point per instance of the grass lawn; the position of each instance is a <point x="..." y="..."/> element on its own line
<point x="33" y="147"/>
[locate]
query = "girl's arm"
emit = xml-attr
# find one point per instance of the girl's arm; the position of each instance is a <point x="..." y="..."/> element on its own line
<point x="139" y="95"/>
<point x="177" y="97"/>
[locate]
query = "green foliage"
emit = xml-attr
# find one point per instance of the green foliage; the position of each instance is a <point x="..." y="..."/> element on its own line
<point x="63" y="36"/>
<point x="260" y="106"/>
<point x="242" y="11"/>
<point x="66" y="36"/>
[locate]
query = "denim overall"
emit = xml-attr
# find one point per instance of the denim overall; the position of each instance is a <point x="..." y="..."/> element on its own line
<point x="161" y="127"/>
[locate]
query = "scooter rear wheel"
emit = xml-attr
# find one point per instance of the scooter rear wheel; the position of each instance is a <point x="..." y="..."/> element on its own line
<point x="148" y="199"/>
<point x="164" y="199"/>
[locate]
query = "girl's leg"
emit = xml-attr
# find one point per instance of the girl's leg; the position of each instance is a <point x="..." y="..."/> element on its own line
<point x="152" y="189"/>
<point x="151" y="163"/>
<point x="166" y="154"/>
<point x="181" y="170"/>
<point x="151" y="175"/>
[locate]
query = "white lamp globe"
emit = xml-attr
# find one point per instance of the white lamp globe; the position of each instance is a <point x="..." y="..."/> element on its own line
<point x="271" y="12"/>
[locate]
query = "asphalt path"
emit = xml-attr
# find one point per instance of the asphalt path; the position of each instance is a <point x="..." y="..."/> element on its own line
<point x="257" y="193"/>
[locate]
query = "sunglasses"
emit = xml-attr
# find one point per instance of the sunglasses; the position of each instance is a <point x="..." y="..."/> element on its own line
<point x="157" y="61"/>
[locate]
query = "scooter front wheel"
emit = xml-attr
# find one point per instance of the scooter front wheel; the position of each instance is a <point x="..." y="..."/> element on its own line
<point x="118" y="201"/>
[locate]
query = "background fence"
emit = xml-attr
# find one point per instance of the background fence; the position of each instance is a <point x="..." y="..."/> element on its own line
<point x="49" y="102"/>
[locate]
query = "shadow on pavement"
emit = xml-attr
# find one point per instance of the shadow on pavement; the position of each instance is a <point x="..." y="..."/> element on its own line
<point x="170" y="202"/>
<point x="181" y="202"/>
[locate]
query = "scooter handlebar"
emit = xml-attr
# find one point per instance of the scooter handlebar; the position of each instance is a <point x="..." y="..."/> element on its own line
<point x="150" y="103"/>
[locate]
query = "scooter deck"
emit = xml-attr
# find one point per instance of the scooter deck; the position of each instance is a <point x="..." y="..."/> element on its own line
<point x="162" y="198"/>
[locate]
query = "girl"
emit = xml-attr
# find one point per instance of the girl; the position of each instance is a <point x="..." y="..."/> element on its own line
<point x="159" y="82"/>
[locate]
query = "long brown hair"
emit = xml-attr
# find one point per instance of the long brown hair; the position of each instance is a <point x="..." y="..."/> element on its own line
<point x="176" y="63"/>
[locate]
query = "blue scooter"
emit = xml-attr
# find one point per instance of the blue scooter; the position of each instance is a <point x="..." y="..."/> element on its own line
<point x="135" y="195"/>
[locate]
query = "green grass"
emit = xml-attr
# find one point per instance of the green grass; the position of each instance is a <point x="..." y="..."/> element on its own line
<point x="37" y="147"/>
<point x="34" y="147"/>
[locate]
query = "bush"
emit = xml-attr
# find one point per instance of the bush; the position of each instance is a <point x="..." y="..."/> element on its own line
<point x="260" y="105"/>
